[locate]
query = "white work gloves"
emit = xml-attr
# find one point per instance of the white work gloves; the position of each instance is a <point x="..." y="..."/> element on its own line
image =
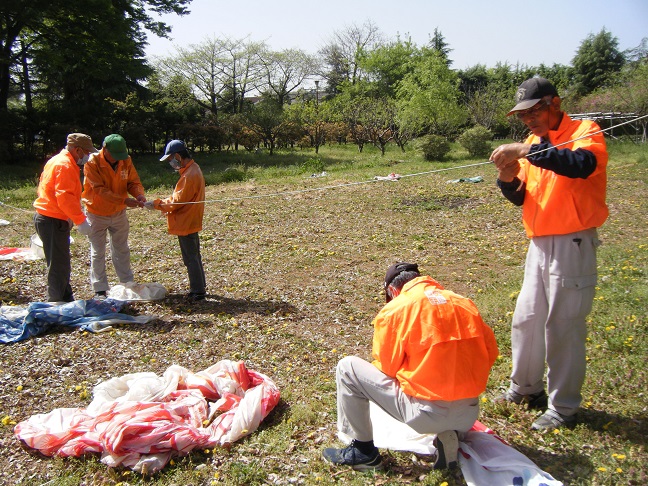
<point x="149" y="205"/>
<point x="84" y="228"/>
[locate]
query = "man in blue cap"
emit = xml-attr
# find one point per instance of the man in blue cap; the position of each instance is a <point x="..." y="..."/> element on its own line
<point x="184" y="211"/>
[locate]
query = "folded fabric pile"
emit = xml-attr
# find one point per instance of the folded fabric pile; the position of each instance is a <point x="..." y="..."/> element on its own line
<point x="18" y="323"/>
<point x="142" y="420"/>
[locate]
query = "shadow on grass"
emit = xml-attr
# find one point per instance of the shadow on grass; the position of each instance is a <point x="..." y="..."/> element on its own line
<point x="632" y="429"/>
<point x="217" y="304"/>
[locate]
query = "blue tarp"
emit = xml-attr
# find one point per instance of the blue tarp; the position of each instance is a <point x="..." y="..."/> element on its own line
<point x="20" y="323"/>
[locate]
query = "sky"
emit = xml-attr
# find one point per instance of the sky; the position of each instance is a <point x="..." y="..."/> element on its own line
<point x="478" y="31"/>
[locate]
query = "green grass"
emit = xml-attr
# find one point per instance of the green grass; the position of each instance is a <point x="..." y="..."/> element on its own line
<point x="295" y="282"/>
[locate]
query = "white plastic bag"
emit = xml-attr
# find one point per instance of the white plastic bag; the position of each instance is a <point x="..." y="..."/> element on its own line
<point x="135" y="291"/>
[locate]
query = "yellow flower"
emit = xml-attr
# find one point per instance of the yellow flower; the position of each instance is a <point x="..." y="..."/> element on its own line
<point x="619" y="470"/>
<point x="602" y="469"/>
<point x="19" y="388"/>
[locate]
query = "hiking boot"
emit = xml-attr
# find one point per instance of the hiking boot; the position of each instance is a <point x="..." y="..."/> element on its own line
<point x="352" y="456"/>
<point x="100" y="295"/>
<point x="551" y="420"/>
<point x="447" y="446"/>
<point x="534" y="401"/>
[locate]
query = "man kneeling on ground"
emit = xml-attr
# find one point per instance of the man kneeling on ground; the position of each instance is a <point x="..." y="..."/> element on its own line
<point x="432" y="355"/>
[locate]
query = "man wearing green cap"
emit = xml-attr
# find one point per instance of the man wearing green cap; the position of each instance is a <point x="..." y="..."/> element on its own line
<point x="110" y="177"/>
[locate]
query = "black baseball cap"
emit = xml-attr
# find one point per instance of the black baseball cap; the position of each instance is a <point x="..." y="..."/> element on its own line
<point x="395" y="270"/>
<point x="530" y="92"/>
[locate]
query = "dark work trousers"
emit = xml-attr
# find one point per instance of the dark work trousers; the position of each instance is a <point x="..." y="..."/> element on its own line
<point x="190" y="248"/>
<point x="55" y="235"/>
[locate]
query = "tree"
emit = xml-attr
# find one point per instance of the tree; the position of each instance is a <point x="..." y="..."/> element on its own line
<point x="429" y="98"/>
<point x="388" y="64"/>
<point x="439" y="44"/>
<point x="27" y="26"/>
<point x="637" y="54"/>
<point x="285" y="71"/>
<point x="221" y="72"/>
<point x="597" y="62"/>
<point x="343" y="53"/>
<point x="265" y="119"/>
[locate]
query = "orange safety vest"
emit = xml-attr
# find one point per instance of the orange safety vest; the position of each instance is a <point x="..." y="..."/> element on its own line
<point x="185" y="219"/>
<point x="434" y="342"/>
<point x="105" y="189"/>
<point x="558" y="205"/>
<point x="59" y="189"/>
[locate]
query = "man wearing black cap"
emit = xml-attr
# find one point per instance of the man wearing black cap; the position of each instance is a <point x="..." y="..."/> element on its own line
<point x="432" y="355"/>
<point x="558" y="176"/>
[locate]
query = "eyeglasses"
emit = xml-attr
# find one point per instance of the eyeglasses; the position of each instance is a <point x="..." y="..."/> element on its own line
<point x="534" y="111"/>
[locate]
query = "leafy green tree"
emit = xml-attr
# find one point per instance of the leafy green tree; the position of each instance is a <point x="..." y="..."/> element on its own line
<point x="597" y="62"/>
<point x="387" y="65"/>
<point x="173" y="104"/>
<point x="429" y="97"/>
<point x="40" y="53"/>
<point x="265" y="119"/>
<point x="474" y="79"/>
<point x="560" y="75"/>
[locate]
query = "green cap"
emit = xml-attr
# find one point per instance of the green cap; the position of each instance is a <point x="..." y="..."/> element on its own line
<point x="116" y="145"/>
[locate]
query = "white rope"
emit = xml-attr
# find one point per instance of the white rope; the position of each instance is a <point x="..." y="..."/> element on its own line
<point x="17" y="209"/>
<point x="301" y="191"/>
<point x="370" y="181"/>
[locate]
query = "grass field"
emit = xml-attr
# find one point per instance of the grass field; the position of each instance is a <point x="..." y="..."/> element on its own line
<point x="294" y="281"/>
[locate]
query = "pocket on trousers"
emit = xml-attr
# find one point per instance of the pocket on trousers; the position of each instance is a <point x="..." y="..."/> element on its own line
<point x="576" y="298"/>
<point x="579" y="282"/>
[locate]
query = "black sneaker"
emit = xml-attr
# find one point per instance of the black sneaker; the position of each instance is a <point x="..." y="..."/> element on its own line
<point x="195" y="296"/>
<point x="352" y="456"/>
<point x="534" y="401"/>
<point x="447" y="446"/>
<point x="100" y="295"/>
<point x="551" y="420"/>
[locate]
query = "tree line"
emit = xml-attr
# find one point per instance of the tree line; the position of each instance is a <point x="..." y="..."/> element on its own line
<point x="79" y="65"/>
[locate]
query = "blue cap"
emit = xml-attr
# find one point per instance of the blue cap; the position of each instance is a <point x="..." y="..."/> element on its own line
<point x="173" y="147"/>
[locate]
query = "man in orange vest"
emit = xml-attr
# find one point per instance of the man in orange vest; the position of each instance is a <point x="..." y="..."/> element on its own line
<point x="558" y="176"/>
<point x="58" y="208"/>
<point x="110" y="177"/>
<point x="184" y="211"/>
<point x="432" y="355"/>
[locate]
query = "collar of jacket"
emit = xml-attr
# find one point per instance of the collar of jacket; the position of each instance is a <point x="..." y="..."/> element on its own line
<point x="423" y="279"/>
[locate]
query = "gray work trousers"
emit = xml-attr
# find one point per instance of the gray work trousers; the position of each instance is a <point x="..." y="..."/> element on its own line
<point x="549" y="318"/>
<point x="190" y="249"/>
<point x="55" y="236"/>
<point x="116" y="227"/>
<point x="360" y="382"/>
